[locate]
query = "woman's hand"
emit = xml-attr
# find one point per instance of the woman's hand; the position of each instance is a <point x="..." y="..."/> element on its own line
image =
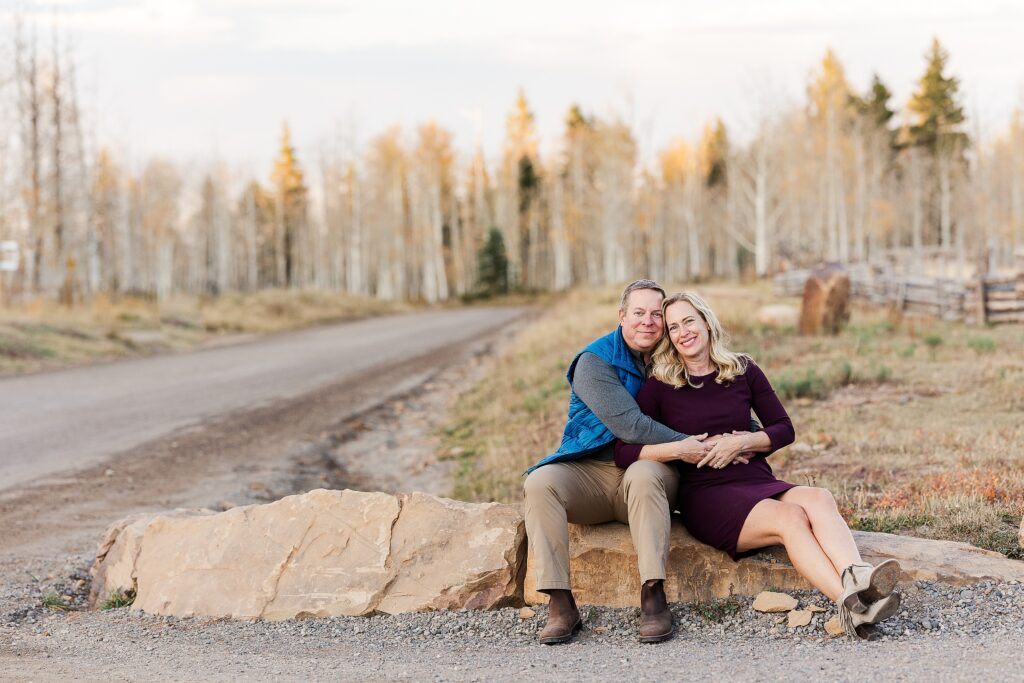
<point x="741" y="458"/>
<point x="726" y="449"/>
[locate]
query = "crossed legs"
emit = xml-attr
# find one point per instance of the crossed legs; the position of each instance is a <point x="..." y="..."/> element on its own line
<point x="805" y="520"/>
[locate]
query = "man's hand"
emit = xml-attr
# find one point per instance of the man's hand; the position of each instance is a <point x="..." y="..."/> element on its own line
<point x="692" y="449"/>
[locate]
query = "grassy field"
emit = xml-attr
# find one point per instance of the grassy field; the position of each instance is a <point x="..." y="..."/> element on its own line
<point x="44" y="335"/>
<point x="916" y="425"/>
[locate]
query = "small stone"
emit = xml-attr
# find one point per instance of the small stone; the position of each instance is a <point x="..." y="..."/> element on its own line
<point x="527" y="613"/>
<point x="799" y="617"/>
<point x="779" y="620"/>
<point x="834" y="627"/>
<point x="108" y="473"/>
<point x="769" y="601"/>
<point x="600" y="629"/>
<point x="227" y="504"/>
<point x="815" y="608"/>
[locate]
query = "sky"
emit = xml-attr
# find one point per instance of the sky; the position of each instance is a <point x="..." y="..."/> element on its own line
<point x="202" y="81"/>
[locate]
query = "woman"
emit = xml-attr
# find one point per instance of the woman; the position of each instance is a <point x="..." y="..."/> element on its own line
<point x="729" y="497"/>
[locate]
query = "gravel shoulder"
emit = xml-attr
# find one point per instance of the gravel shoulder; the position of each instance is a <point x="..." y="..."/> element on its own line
<point x="967" y="639"/>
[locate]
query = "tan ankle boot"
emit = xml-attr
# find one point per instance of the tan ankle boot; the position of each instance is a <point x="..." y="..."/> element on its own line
<point x="876" y="612"/>
<point x="864" y="584"/>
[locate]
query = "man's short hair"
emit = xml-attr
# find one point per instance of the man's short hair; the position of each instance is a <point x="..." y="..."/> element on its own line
<point x="638" y="284"/>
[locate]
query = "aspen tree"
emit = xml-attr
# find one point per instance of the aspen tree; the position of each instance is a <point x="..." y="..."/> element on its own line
<point x="430" y="191"/>
<point x="30" y="107"/>
<point x="387" y="214"/>
<point x="829" y="101"/>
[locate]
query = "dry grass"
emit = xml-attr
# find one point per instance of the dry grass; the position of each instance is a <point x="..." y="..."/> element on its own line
<point x="914" y="424"/>
<point x="44" y="335"/>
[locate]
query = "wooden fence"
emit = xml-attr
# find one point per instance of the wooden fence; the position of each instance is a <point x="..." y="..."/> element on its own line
<point x="991" y="299"/>
<point x="996" y="300"/>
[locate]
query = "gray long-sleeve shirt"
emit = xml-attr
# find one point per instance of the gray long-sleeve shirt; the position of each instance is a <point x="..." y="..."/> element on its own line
<point x="598" y="385"/>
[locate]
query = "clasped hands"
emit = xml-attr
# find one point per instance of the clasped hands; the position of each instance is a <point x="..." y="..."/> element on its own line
<point x="716" y="451"/>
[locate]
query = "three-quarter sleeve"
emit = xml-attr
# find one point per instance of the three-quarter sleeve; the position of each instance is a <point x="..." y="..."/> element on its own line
<point x="649" y="402"/>
<point x="768" y="408"/>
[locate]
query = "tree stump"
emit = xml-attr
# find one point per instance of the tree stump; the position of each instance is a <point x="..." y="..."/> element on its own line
<point x="826" y="304"/>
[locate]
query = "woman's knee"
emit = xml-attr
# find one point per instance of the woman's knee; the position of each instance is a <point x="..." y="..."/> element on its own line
<point x="792" y="518"/>
<point x="814" y="499"/>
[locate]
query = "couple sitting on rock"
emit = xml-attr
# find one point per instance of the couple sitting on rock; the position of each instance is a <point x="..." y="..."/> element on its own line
<point x="666" y="372"/>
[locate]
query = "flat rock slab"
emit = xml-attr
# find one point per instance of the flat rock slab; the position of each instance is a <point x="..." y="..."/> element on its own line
<point x="322" y="553"/>
<point x="604" y="570"/>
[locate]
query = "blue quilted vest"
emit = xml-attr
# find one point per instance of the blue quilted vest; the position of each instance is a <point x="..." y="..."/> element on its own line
<point x="584" y="433"/>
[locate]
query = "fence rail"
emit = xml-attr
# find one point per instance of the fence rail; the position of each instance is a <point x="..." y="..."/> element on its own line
<point x="991" y="299"/>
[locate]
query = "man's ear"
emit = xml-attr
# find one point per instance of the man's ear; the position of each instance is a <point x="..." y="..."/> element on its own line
<point x="622" y="317"/>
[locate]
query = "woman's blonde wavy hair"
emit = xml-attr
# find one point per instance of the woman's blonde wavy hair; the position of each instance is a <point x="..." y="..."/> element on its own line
<point x="668" y="365"/>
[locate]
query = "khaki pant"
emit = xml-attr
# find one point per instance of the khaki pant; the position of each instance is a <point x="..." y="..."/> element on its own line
<point x="594" y="492"/>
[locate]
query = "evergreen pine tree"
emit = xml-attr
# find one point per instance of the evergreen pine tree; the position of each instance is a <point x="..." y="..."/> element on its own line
<point x="936" y="107"/>
<point x="288" y="181"/>
<point x="492" y="266"/>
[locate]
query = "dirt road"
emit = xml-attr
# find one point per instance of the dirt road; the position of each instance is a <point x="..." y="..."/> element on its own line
<point x="55" y="422"/>
<point x="233" y="425"/>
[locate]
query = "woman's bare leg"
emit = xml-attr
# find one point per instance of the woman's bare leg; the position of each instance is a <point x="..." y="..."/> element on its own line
<point x="827" y="524"/>
<point x="772" y="522"/>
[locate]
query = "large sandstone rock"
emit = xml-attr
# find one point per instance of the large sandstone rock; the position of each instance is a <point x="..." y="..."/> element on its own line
<point x="323" y="553"/>
<point x="113" y="571"/>
<point x="604" y="571"/>
<point x="826" y="302"/>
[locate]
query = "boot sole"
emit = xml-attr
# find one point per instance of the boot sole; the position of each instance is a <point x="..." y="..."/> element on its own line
<point x="658" y="638"/>
<point x="565" y="637"/>
<point x="867" y="631"/>
<point x="890" y="609"/>
<point x="882" y="583"/>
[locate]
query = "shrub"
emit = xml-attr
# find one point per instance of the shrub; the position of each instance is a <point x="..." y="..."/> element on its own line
<point x="801" y="385"/>
<point x="118" y="600"/>
<point x="982" y="344"/>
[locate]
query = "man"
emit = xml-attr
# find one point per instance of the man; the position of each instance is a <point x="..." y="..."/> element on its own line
<point x="581" y="483"/>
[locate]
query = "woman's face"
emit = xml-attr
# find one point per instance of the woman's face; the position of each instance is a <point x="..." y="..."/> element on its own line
<point x="688" y="331"/>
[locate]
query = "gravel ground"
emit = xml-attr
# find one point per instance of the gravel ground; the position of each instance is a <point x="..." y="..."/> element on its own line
<point x="943" y="633"/>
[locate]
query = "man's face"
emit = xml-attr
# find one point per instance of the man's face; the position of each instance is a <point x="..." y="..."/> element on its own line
<point x="641" y="321"/>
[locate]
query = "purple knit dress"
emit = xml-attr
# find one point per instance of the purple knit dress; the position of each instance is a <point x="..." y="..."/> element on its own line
<point x="714" y="503"/>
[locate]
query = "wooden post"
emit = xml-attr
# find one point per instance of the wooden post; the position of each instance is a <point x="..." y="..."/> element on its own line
<point x="983" y="300"/>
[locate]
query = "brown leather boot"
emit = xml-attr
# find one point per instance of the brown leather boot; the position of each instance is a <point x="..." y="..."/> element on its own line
<point x="563" y="618"/>
<point x="655" y="616"/>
